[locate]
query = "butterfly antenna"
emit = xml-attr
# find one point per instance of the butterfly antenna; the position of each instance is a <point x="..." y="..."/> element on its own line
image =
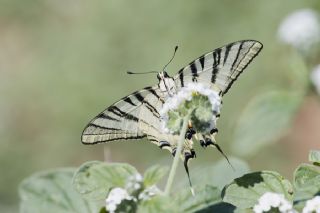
<point x="130" y="73"/>
<point x="174" y="53"/>
<point x="224" y="155"/>
<point x="187" y="170"/>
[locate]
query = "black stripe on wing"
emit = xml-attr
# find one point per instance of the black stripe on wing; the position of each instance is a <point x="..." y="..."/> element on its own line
<point x="103" y="127"/>
<point x="115" y="110"/>
<point x="237" y="56"/>
<point x="107" y="117"/>
<point x="128" y="100"/>
<point x="116" y="139"/>
<point x="226" y="53"/>
<point x="149" y="106"/>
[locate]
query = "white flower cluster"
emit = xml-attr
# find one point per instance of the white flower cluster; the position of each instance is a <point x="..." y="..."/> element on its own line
<point x="315" y="78"/>
<point x="312" y="206"/>
<point x="135" y="183"/>
<point x="186" y="94"/>
<point x="115" y="197"/>
<point x="301" y="29"/>
<point x="273" y="200"/>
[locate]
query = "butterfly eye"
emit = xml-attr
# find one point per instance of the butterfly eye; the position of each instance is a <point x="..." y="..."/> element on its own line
<point x="165" y="74"/>
<point x="158" y="77"/>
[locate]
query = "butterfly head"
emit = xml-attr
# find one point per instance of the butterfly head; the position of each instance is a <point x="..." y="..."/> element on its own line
<point x="166" y="83"/>
<point x="162" y="75"/>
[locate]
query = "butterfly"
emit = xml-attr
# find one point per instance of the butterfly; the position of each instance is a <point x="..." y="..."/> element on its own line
<point x="136" y="116"/>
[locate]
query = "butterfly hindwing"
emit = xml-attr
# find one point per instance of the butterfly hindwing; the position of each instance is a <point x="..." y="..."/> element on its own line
<point x="220" y="67"/>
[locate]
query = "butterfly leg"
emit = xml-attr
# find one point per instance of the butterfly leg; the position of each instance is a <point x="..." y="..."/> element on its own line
<point x="189" y="134"/>
<point x="200" y="138"/>
<point x="205" y="140"/>
<point x="214" y="131"/>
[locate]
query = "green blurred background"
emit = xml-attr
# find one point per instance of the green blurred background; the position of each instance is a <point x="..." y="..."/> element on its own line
<point x="64" y="61"/>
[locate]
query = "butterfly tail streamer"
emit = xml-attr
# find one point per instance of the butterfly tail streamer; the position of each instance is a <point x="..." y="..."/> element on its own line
<point x="188" y="174"/>
<point x="224" y="155"/>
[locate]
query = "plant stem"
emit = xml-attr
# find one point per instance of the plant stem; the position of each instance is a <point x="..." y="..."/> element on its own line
<point x="177" y="155"/>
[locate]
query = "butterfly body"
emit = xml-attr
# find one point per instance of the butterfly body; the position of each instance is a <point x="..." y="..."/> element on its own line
<point x="137" y="115"/>
<point x="166" y="84"/>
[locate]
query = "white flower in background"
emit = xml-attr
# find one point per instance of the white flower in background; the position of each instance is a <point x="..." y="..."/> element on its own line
<point x="134" y="182"/>
<point x="315" y="78"/>
<point x="149" y="192"/>
<point x="115" y="197"/>
<point x="192" y="96"/>
<point x="271" y="200"/>
<point x="312" y="206"/>
<point x="301" y="29"/>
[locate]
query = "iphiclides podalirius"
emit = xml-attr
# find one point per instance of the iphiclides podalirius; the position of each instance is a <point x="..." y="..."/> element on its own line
<point x="137" y="115"/>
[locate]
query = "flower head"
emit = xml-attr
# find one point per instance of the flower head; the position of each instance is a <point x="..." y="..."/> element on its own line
<point x="203" y="103"/>
<point x="115" y="197"/>
<point x="270" y="200"/>
<point x="301" y="29"/>
<point x="312" y="205"/>
<point x="127" y="199"/>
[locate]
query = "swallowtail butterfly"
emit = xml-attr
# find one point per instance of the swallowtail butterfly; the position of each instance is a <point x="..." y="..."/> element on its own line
<point x="137" y="115"/>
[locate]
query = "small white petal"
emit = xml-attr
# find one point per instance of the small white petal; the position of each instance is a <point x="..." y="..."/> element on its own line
<point x="115" y="197"/>
<point x="273" y="200"/>
<point x="137" y="186"/>
<point x="138" y="177"/>
<point x="312" y="205"/>
<point x="257" y="209"/>
<point x="111" y="207"/>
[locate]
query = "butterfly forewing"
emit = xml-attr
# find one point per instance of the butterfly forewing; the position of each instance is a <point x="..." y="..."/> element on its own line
<point x="133" y="117"/>
<point x="221" y="67"/>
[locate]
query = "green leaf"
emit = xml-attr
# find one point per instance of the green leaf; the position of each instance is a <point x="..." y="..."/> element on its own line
<point x="52" y="191"/>
<point x="306" y="181"/>
<point x="220" y="207"/>
<point x="94" y="179"/>
<point x="314" y="157"/>
<point x="204" y="196"/>
<point x="265" y="119"/>
<point x="245" y="191"/>
<point x="154" y="175"/>
<point x="158" y="204"/>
